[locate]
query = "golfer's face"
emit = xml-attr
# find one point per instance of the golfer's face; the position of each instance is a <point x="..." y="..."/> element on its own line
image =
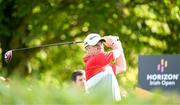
<point x="96" y="48"/>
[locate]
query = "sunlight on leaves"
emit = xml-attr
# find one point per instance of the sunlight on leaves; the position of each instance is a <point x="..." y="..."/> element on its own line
<point x="175" y="12"/>
<point x="45" y="27"/>
<point x="66" y="26"/>
<point x="80" y="6"/>
<point x="75" y="31"/>
<point x="36" y="9"/>
<point x="153" y="42"/>
<point x="115" y="16"/>
<point x="42" y="55"/>
<point x="126" y="11"/>
<point x="158" y="27"/>
<point x="126" y="30"/>
<point x="144" y="11"/>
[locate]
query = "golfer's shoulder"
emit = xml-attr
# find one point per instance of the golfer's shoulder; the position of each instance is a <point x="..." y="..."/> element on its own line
<point x="101" y="56"/>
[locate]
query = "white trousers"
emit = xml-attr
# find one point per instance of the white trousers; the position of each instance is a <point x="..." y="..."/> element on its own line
<point x="105" y="80"/>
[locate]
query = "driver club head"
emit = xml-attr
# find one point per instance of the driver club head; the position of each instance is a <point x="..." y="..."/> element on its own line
<point x="8" y="56"/>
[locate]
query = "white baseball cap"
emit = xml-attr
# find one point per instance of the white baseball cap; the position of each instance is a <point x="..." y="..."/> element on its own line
<point x="92" y="39"/>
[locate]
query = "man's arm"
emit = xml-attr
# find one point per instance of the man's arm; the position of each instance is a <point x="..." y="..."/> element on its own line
<point x="119" y="57"/>
<point x="115" y="44"/>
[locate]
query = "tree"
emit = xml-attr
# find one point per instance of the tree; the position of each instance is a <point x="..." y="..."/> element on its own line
<point x="144" y="27"/>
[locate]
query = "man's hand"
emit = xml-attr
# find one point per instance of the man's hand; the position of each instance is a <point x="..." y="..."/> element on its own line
<point x="112" y="41"/>
<point x="109" y="41"/>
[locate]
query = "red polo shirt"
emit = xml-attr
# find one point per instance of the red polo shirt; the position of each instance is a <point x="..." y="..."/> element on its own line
<point x="95" y="64"/>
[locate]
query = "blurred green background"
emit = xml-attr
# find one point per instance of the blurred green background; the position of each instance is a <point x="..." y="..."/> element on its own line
<point x="143" y="26"/>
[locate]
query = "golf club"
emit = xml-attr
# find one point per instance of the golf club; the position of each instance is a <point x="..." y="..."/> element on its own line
<point x="8" y="54"/>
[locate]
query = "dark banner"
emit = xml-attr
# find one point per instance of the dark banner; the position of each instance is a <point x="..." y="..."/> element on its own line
<point x="159" y="71"/>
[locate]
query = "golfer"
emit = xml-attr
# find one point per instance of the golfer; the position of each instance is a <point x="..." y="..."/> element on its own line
<point x="102" y="67"/>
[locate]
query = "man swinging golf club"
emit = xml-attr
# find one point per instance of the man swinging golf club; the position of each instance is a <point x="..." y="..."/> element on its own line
<point x="101" y="67"/>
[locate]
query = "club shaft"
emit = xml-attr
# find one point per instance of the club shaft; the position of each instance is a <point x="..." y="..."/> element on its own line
<point x="46" y="45"/>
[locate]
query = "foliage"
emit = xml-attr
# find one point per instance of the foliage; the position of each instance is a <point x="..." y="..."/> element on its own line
<point x="144" y="27"/>
<point x="36" y="92"/>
